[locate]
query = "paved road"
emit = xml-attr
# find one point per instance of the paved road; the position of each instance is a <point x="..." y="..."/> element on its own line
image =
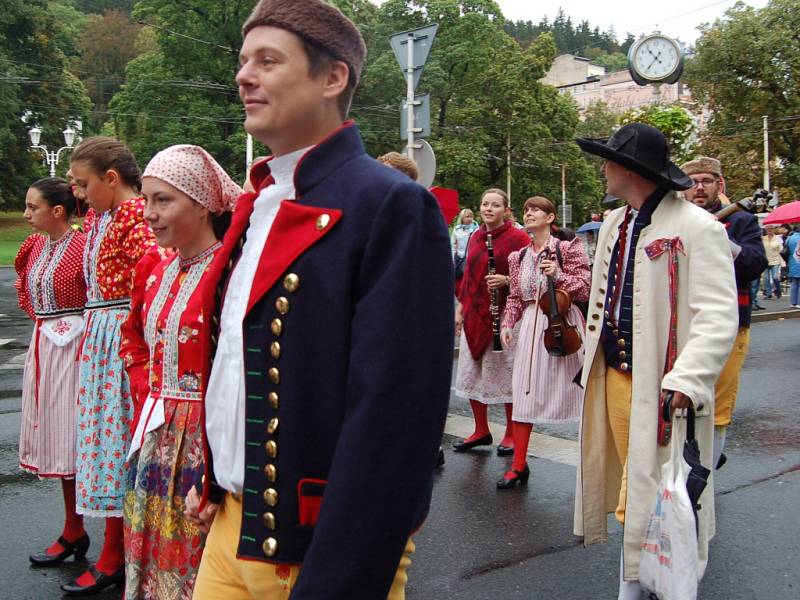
<point x="479" y="543"/>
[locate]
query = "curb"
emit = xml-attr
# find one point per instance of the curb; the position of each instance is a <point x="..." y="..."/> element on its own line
<point x="780" y="315"/>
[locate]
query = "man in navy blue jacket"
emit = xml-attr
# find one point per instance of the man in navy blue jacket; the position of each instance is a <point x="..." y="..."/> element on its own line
<point x="331" y="330"/>
<point x="749" y="262"/>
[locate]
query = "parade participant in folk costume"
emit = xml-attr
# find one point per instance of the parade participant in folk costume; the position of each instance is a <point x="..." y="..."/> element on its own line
<point x="634" y="307"/>
<point x="484" y="376"/>
<point x="52" y="290"/>
<point x="749" y="261"/>
<point x="331" y="374"/>
<point x="188" y="199"/>
<point x="106" y="172"/>
<point x="543" y="386"/>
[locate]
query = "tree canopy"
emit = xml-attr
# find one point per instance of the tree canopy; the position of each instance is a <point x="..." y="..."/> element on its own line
<point x="747" y="64"/>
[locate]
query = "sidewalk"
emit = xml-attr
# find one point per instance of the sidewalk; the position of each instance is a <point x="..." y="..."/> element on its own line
<point x="775" y="309"/>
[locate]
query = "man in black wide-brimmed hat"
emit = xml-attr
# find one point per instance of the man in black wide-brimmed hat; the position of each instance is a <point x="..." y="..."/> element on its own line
<point x="662" y="318"/>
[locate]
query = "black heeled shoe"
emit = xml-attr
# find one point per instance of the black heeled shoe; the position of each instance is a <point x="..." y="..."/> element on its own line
<point x="505" y="450"/>
<point x="101" y="582"/>
<point x="440" y="457"/>
<point x="79" y="548"/>
<point x="464" y="445"/>
<point x="520" y="477"/>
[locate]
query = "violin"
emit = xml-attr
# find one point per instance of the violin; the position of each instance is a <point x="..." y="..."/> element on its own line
<point x="561" y="338"/>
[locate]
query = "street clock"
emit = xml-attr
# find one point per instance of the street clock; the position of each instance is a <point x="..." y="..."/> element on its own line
<point x="655" y="58"/>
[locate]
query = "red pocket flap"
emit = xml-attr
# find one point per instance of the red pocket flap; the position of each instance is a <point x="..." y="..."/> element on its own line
<point x="309" y="500"/>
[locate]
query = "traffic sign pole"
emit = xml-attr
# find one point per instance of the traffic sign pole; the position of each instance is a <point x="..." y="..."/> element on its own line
<point x="410" y="94"/>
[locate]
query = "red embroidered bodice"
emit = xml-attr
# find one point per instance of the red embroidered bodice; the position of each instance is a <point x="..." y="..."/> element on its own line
<point x="160" y="339"/>
<point x="50" y="275"/>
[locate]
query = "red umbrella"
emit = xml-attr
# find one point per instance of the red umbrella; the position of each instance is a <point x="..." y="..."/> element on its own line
<point x="786" y="213"/>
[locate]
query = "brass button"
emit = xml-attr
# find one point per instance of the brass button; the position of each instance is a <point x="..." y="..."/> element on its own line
<point x="596" y="317"/>
<point x="282" y="305"/>
<point x="599" y="305"/>
<point x="322" y="222"/>
<point x="270" y="547"/>
<point x="621" y="343"/>
<point x="275" y="350"/>
<point x="273" y="399"/>
<point x="291" y="282"/>
<point x="623" y="355"/>
<point x="607" y="314"/>
<point x="601" y="290"/>
<point x="624" y="366"/>
<point x="272" y="426"/>
<point x="276" y="327"/>
<point x="271" y="496"/>
<point x="269" y="521"/>
<point x="274" y="375"/>
<point x="616" y="332"/>
<point x="592" y="327"/>
<point x="271" y="472"/>
<point x="272" y="448"/>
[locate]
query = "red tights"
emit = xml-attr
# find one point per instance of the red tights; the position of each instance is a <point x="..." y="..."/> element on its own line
<point x="73" y="522"/>
<point x="112" y="557"/>
<point x="481" y="413"/>
<point x="522" y="436"/>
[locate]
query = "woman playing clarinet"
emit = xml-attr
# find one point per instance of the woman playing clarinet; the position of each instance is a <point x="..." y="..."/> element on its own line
<point x="483" y="375"/>
<point x="542" y="383"/>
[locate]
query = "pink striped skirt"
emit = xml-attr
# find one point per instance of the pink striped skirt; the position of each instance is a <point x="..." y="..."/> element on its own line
<point x="47" y="434"/>
<point x="542" y="384"/>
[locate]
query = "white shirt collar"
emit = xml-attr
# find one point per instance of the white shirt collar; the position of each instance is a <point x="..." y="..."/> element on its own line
<point x="282" y="167"/>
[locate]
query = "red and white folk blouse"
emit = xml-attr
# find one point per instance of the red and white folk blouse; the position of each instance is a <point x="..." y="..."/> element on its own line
<point x="160" y="339"/>
<point x="116" y="241"/>
<point x="50" y="275"/>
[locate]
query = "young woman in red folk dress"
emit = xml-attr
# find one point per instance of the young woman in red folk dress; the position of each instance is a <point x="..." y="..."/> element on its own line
<point x="483" y="376"/>
<point x="52" y="290"/>
<point x="188" y="199"/>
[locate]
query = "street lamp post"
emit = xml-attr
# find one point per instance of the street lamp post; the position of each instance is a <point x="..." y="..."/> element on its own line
<point x="51" y="158"/>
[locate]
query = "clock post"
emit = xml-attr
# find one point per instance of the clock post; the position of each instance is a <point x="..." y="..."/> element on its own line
<point x="655" y="59"/>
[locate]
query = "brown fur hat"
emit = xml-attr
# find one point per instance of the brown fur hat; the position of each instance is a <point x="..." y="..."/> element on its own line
<point x="703" y="164"/>
<point x="316" y="21"/>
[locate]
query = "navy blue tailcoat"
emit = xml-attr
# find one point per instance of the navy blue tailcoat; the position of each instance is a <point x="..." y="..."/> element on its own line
<point x="348" y="355"/>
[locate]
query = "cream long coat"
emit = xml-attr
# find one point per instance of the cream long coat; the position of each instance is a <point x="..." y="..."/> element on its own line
<point x="707" y="324"/>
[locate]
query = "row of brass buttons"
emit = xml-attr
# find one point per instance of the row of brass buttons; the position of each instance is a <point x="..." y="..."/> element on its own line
<point x="270" y="546"/>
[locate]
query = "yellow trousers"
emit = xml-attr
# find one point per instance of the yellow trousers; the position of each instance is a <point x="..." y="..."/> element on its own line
<point x="223" y="577"/>
<point x="618" y="403"/>
<point x="728" y="383"/>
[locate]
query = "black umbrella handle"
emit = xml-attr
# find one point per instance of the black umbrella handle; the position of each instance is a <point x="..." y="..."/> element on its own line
<point x="667" y="416"/>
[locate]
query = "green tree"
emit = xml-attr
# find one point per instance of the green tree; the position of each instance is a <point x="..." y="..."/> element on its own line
<point x="107" y="44"/>
<point x="487" y="104"/>
<point x="35" y="84"/>
<point x="674" y="121"/>
<point x="747" y="64"/>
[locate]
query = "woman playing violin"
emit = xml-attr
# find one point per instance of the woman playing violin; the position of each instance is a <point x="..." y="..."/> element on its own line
<point x="543" y="388"/>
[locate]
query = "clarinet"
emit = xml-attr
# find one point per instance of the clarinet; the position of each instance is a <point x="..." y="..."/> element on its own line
<point x="494" y="307"/>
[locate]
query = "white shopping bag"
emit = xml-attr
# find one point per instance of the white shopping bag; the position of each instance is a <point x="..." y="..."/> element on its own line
<point x="668" y="564"/>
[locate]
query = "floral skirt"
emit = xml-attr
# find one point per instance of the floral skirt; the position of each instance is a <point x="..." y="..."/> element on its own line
<point x="105" y="412"/>
<point x="163" y="549"/>
<point x="488" y="379"/>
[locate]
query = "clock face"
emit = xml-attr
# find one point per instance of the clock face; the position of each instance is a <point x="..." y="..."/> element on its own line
<point x="656" y="57"/>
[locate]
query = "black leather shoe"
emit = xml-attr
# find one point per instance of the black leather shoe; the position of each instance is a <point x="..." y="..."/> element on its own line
<point x="101" y="582"/>
<point x="519" y="476"/>
<point x="464" y="445"/>
<point x="79" y="548"/>
<point x="440" y="458"/>
<point x="505" y="450"/>
<point x="721" y="462"/>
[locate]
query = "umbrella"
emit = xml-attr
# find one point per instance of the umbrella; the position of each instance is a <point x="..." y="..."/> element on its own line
<point x="590" y="226"/>
<point x="697" y="480"/>
<point x="786" y="213"/>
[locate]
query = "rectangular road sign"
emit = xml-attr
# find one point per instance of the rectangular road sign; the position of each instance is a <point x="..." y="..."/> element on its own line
<point x="422" y="117"/>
